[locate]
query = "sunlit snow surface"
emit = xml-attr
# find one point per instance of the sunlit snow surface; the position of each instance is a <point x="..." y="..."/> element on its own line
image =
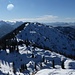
<point x="56" y="72"/>
<point x="48" y="37"/>
<point x="39" y="61"/>
<point x="25" y="57"/>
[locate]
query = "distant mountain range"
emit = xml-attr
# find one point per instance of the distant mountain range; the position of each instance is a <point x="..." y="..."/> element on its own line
<point x="6" y="27"/>
<point x="55" y="24"/>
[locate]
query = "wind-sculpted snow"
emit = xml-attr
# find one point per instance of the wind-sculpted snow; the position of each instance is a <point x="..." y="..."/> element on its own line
<point x="30" y="60"/>
<point x="49" y="38"/>
<point x="33" y="48"/>
<point x="55" y="72"/>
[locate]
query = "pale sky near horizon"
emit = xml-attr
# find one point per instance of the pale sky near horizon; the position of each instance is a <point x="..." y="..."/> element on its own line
<point x="38" y="10"/>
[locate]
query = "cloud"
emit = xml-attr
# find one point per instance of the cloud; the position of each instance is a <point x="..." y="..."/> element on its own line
<point x="10" y="7"/>
<point x="72" y="19"/>
<point x="45" y="18"/>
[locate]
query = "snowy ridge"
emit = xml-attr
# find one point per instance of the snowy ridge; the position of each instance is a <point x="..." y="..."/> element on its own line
<point x="30" y="60"/>
<point x="32" y="51"/>
<point x="55" y="72"/>
<point x="50" y="38"/>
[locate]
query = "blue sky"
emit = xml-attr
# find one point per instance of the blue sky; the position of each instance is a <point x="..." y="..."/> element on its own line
<point x="38" y="10"/>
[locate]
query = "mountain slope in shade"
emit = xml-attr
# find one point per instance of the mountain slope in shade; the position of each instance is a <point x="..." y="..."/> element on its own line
<point x="68" y="30"/>
<point x="7" y="27"/>
<point x="49" y="38"/>
<point x="2" y="23"/>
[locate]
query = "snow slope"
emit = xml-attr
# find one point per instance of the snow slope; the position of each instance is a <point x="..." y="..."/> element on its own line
<point x="49" y="38"/>
<point x="56" y="72"/>
<point x="39" y="60"/>
<point x="34" y="59"/>
<point x="68" y="30"/>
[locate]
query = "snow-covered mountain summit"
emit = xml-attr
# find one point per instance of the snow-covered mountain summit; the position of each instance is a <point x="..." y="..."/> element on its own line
<point x="49" y="38"/>
<point x="32" y="47"/>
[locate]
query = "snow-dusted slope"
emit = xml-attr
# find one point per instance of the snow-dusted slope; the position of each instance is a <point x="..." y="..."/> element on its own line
<point x="23" y="58"/>
<point x="49" y="38"/>
<point x="68" y="30"/>
<point x="56" y="72"/>
<point x="30" y="60"/>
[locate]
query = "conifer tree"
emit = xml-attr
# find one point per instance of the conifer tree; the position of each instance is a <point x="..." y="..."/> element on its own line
<point x="53" y="64"/>
<point x="62" y="64"/>
<point x="25" y="67"/>
<point x="43" y="58"/>
<point x="35" y="66"/>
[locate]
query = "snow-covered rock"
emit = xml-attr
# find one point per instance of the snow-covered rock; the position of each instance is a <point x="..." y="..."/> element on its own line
<point x="69" y="64"/>
<point x="55" y="72"/>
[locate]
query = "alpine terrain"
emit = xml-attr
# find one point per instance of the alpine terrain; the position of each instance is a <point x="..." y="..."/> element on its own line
<point x="38" y="49"/>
